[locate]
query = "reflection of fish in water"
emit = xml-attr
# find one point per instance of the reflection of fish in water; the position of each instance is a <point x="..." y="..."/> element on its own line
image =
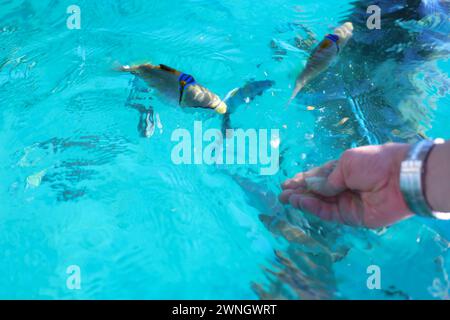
<point x="305" y="269"/>
<point x="77" y="172"/>
<point x="187" y="92"/>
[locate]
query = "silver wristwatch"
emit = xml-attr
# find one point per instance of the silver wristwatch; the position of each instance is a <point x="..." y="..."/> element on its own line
<point x="412" y="180"/>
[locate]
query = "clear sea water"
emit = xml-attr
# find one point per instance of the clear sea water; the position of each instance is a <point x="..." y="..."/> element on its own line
<point x="80" y="186"/>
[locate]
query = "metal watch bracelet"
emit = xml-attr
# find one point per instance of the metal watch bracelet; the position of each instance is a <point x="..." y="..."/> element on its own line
<point x="412" y="179"/>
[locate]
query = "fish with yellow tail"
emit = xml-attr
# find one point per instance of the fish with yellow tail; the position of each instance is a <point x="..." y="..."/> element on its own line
<point x="177" y="86"/>
<point x="323" y="56"/>
<point x="182" y="89"/>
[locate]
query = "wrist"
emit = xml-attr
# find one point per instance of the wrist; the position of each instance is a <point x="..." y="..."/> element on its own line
<point x="437" y="179"/>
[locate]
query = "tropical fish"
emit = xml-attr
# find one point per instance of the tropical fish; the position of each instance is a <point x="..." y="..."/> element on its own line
<point x="323" y="56"/>
<point x="184" y="90"/>
<point x="178" y="86"/>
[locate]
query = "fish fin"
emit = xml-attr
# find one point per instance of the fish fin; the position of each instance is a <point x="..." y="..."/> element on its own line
<point x="247" y="93"/>
<point x="167" y="68"/>
<point x="226" y="123"/>
<point x="230" y="94"/>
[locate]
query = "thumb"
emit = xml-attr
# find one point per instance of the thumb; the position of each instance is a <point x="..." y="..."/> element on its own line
<point x="328" y="180"/>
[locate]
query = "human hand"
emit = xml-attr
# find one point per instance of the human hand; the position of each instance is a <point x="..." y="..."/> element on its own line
<point x="360" y="189"/>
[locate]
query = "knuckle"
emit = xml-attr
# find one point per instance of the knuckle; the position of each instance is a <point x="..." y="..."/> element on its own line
<point x="347" y="156"/>
<point x="347" y="162"/>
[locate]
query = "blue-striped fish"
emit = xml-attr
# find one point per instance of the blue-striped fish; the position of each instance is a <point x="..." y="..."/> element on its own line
<point x="323" y="56"/>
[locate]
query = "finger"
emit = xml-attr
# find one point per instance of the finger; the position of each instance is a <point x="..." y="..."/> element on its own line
<point x="284" y="196"/>
<point x="336" y="179"/>
<point x="317" y="180"/>
<point x="313" y="205"/>
<point x="294" y="183"/>
<point x="347" y="208"/>
<point x="351" y="209"/>
<point x="322" y="186"/>
<point x="299" y="180"/>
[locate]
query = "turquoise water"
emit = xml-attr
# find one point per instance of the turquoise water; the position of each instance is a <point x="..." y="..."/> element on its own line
<point x="80" y="186"/>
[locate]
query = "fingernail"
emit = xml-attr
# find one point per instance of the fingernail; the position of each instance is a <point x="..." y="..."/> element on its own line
<point x="305" y="204"/>
<point x="284" y="196"/>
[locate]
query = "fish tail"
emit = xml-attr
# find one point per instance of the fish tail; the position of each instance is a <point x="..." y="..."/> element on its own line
<point x="297" y="90"/>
